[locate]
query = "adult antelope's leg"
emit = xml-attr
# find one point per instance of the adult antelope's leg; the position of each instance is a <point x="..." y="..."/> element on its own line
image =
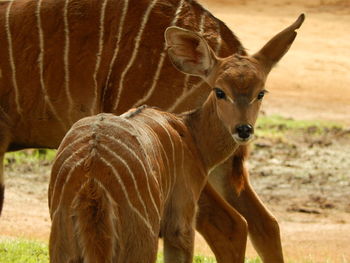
<point x="222" y="226"/>
<point x="4" y="142"/>
<point x="5" y="138"/>
<point x="262" y="226"/>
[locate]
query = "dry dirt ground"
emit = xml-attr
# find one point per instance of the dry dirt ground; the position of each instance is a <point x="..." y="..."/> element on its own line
<point x="304" y="179"/>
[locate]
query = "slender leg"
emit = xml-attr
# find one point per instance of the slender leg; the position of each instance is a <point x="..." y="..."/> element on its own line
<point x="222" y="226"/>
<point x="178" y="229"/>
<point x="262" y="225"/>
<point x="178" y="248"/>
<point x="5" y="137"/>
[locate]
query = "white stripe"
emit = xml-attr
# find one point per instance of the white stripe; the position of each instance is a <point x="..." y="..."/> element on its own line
<point x="115" y="173"/>
<point x="126" y="165"/>
<point x="172" y="147"/>
<point x="11" y="58"/>
<point x="116" y="50"/>
<point x="41" y="67"/>
<point x="141" y="137"/>
<point x="202" y="23"/>
<point x="69" y="146"/>
<point x="177" y="13"/>
<point x="141" y="163"/>
<point x="183" y="172"/>
<point x="98" y="56"/>
<point x="219" y="40"/>
<point x="71" y="170"/>
<point x="66" y="61"/>
<point x="62" y="165"/>
<point x="141" y="141"/>
<point x="157" y="160"/>
<point x="144" y="140"/>
<point x="135" y="51"/>
<point x="183" y="96"/>
<point x="160" y="63"/>
<point x="186" y="85"/>
<point x="187" y="78"/>
<point x="186" y="92"/>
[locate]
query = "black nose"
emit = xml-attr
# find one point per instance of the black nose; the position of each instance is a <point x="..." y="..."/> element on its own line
<point x="244" y="131"/>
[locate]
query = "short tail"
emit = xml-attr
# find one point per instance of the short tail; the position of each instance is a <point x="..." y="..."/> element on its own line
<point x="96" y="223"/>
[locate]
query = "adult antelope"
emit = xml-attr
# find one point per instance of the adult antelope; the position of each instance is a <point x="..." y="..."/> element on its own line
<point x="117" y="182"/>
<point x="66" y="59"/>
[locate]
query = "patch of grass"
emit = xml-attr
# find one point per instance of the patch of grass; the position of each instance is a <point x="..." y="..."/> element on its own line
<point x="23" y="251"/>
<point x="30" y="156"/>
<point x="277" y="126"/>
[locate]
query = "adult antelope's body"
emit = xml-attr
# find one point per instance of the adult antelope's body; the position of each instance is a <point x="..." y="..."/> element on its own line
<point x="66" y="59"/>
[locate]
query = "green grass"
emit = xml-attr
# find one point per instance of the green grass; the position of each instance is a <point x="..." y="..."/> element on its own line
<point x="277" y="126"/>
<point x="30" y="156"/>
<point x="25" y="251"/>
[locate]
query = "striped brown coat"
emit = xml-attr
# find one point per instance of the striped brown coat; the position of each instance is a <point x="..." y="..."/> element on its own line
<point x="120" y="182"/>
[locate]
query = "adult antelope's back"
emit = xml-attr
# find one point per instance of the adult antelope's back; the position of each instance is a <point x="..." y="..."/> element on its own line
<point x="86" y="57"/>
<point x="66" y="59"/>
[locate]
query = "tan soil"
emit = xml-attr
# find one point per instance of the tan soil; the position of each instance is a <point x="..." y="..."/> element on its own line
<point x="304" y="181"/>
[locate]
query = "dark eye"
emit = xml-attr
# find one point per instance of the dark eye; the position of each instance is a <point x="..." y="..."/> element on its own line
<point x="261" y="95"/>
<point x="219" y="93"/>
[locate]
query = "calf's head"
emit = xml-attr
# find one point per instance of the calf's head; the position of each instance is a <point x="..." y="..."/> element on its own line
<point x="237" y="81"/>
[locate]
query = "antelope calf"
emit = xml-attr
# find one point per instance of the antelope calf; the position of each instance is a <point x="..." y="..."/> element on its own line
<point x="120" y="182"/>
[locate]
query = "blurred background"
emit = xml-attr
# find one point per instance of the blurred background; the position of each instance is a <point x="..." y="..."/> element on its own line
<point x="300" y="161"/>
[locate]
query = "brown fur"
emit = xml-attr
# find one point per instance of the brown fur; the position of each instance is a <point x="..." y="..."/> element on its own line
<point x="38" y="126"/>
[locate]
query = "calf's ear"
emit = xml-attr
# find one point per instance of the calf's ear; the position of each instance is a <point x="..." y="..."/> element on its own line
<point x="275" y="49"/>
<point x="189" y="52"/>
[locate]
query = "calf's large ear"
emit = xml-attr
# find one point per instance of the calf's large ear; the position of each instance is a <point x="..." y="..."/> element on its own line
<point x="189" y="52"/>
<point x="275" y="49"/>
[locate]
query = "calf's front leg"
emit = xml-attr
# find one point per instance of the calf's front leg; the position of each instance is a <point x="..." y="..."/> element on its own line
<point x="178" y="228"/>
<point x="178" y="248"/>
